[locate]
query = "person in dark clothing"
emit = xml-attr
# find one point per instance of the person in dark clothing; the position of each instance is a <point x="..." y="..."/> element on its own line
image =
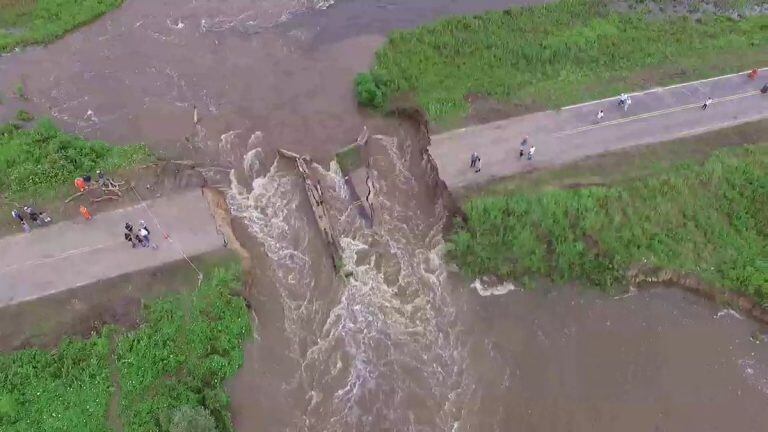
<point x="473" y="159"/>
<point x="34" y="216"/>
<point x="129" y="227"/>
<point x="129" y="238"/>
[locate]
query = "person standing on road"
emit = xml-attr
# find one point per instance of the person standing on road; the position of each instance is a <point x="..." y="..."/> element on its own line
<point x="478" y="165"/>
<point x="523" y="143"/>
<point x="600" y="115"/>
<point x="129" y="238"/>
<point x="16" y="214"/>
<point x="627" y="103"/>
<point x="623" y="101"/>
<point x="706" y="103"/>
<point x="530" y="152"/>
<point x="144" y="233"/>
<point x="473" y="158"/>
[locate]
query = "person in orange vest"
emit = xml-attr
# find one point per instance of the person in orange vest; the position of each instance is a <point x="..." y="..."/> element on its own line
<point x="86" y="214"/>
<point x="80" y="184"/>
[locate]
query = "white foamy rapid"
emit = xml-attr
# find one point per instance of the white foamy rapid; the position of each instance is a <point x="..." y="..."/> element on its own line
<point x="270" y="210"/>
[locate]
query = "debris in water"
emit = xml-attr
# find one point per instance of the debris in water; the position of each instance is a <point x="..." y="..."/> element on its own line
<point x="728" y="312"/>
<point x="484" y="290"/>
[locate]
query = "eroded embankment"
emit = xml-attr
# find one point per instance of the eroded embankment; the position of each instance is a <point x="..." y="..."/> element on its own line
<point x="643" y="275"/>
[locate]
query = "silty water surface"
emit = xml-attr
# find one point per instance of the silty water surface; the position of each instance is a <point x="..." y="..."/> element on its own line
<point x="400" y="341"/>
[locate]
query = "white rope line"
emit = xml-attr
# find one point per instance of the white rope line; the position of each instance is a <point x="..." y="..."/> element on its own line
<point x="168" y="236"/>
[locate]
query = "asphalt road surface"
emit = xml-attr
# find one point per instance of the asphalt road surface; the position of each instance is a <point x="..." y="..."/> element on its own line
<point x="75" y="253"/>
<point x="574" y="133"/>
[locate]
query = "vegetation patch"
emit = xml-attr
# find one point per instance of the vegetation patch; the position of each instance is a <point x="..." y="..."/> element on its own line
<point x="24" y="116"/>
<point x="28" y="22"/>
<point x="555" y="54"/>
<point x="38" y="161"/>
<point x="707" y="219"/>
<point x="349" y="158"/>
<point x="170" y="369"/>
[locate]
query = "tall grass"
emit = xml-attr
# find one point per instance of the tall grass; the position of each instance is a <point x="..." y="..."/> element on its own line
<point x="36" y="161"/>
<point x="551" y="55"/>
<point x="66" y="390"/>
<point x="709" y="220"/>
<point x="175" y="362"/>
<point x="28" y="22"/>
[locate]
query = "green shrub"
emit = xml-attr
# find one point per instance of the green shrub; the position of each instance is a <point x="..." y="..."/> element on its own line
<point x="192" y="419"/>
<point x="709" y="220"/>
<point x="368" y="93"/>
<point x="64" y="390"/>
<point x="24" y="116"/>
<point x="21" y="93"/>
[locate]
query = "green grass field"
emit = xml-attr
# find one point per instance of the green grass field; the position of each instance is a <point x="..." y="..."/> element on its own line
<point x="554" y="55"/>
<point x="38" y="162"/>
<point x="169" y="371"/>
<point x="28" y="22"/>
<point x="706" y="219"/>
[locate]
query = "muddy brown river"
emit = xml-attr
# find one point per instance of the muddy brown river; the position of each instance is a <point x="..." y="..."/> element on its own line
<point x="399" y="340"/>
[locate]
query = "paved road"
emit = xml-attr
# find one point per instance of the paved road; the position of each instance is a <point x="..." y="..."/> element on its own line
<point x="74" y="253"/>
<point x="573" y="133"/>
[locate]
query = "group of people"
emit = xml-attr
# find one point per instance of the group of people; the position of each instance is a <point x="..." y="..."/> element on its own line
<point x="140" y="237"/>
<point x="476" y="163"/>
<point x="28" y="215"/>
<point x="523" y="145"/>
<point x="625" y="101"/>
<point x="85" y="181"/>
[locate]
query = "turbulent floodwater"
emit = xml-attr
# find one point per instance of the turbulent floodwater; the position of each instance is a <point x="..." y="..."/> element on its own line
<point x="398" y="340"/>
<point x="405" y="343"/>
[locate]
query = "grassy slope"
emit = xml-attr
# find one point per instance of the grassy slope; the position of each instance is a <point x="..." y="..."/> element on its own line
<point x="555" y="54"/>
<point x="188" y="345"/>
<point x="27" y="22"/>
<point x="37" y="162"/>
<point x="707" y="219"/>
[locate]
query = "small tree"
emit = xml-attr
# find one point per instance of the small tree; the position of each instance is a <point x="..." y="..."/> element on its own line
<point x="368" y="92"/>
<point x="192" y="419"/>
